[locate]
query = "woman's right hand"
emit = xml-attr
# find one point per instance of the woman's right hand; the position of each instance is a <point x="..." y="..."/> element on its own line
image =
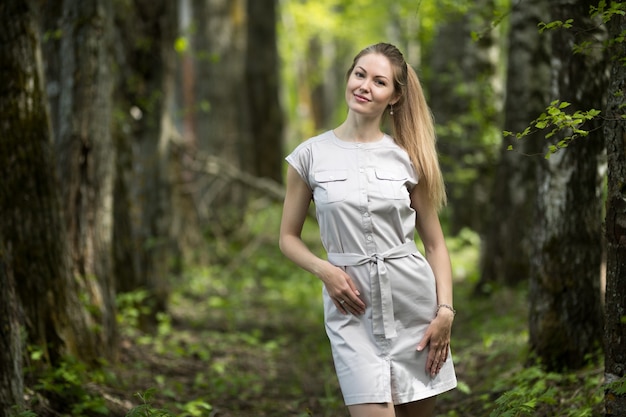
<point x="338" y="284"/>
<point x="342" y="290"/>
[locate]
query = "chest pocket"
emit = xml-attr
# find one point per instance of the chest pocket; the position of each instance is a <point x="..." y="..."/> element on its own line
<point x="391" y="183"/>
<point x="332" y="186"/>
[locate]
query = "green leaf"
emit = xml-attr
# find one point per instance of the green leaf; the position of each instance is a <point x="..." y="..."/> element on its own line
<point x="181" y="44"/>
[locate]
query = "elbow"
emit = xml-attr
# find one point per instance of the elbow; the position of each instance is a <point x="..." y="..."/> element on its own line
<point x="281" y="244"/>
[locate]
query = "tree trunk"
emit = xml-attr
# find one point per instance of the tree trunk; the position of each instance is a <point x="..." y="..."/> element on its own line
<point x="86" y="154"/>
<point x="147" y="32"/>
<point x="266" y="119"/>
<point x="34" y="249"/>
<point x="466" y="105"/>
<point x="223" y="120"/>
<point x="505" y="259"/>
<point x="565" y="308"/>
<point x="615" y="304"/>
<point x="11" y="349"/>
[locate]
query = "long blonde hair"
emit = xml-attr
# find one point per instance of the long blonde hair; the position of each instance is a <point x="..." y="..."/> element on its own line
<point x="412" y="121"/>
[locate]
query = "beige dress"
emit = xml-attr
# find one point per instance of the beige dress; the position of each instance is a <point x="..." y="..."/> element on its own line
<point x="367" y="226"/>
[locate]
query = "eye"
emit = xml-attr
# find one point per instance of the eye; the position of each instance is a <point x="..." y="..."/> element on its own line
<point x="381" y="83"/>
<point x="358" y="74"/>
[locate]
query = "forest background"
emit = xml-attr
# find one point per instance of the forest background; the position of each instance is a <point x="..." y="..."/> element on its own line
<point x="141" y="166"/>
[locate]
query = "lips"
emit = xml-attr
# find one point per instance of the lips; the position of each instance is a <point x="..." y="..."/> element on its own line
<point x="361" y="98"/>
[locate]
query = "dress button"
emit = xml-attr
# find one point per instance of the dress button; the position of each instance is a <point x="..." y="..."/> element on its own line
<point x="369" y="238"/>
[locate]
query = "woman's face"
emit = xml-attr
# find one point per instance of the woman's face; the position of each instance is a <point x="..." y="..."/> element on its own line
<point x="370" y="89"/>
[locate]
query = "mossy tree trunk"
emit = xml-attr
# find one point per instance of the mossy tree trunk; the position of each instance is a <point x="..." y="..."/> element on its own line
<point x="146" y="31"/>
<point x="565" y="307"/>
<point x="505" y="258"/>
<point x="85" y="154"/>
<point x="33" y="252"/>
<point x="615" y="134"/>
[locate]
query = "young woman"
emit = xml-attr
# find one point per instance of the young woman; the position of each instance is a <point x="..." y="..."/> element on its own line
<point x="387" y="308"/>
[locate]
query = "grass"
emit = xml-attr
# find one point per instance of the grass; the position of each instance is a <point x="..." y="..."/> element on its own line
<point x="246" y="338"/>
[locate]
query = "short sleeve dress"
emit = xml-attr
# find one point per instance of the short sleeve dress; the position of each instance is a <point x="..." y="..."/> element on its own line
<point x="367" y="226"/>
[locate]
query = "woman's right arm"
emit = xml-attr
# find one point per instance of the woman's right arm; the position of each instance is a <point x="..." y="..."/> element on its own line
<point x="338" y="284"/>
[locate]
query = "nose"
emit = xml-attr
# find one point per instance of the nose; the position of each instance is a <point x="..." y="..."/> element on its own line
<point x="365" y="85"/>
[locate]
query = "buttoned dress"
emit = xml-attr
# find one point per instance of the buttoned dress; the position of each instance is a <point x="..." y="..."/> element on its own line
<point x="361" y="193"/>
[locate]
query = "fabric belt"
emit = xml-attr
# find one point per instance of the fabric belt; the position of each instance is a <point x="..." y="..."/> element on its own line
<point x="382" y="302"/>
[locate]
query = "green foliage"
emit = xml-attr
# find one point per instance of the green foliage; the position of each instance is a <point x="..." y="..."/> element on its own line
<point x="194" y="408"/>
<point x="68" y="383"/>
<point x="131" y="306"/>
<point x="568" y="124"/>
<point x="607" y="13"/>
<point x="557" y="24"/>
<point x="533" y="391"/>
<point x="147" y="409"/>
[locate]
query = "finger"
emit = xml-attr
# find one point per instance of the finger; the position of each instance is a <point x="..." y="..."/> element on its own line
<point x="353" y="308"/>
<point x="352" y="298"/>
<point x="341" y="305"/>
<point x="423" y="343"/>
<point x="353" y="287"/>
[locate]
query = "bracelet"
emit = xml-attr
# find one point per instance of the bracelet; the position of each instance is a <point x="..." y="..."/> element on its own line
<point x="448" y="306"/>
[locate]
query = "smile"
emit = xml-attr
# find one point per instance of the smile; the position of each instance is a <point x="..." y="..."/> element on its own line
<point x="361" y="98"/>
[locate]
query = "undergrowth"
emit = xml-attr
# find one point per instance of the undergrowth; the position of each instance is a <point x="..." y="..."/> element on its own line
<point x="245" y="338"/>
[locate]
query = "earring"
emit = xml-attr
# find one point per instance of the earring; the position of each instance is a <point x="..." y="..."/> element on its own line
<point x="391" y="110"/>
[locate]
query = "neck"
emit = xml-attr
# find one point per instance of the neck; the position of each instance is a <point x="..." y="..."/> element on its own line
<point x="355" y="129"/>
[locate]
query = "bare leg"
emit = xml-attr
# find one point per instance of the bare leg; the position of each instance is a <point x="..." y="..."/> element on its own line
<point x="422" y="408"/>
<point x="372" y="410"/>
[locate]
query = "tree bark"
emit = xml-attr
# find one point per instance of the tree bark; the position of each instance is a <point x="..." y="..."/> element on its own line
<point x="505" y="258"/>
<point x="565" y="309"/>
<point x="266" y="118"/>
<point x="31" y="226"/>
<point x="615" y="304"/>
<point x="223" y="120"/>
<point x="11" y="349"/>
<point x="86" y="155"/>
<point x="466" y="104"/>
<point x="147" y="32"/>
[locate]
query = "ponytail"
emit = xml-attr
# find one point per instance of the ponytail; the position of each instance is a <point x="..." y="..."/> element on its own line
<point x="414" y="130"/>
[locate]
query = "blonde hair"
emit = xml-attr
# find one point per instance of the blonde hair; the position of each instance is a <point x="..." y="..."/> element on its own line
<point x="412" y="121"/>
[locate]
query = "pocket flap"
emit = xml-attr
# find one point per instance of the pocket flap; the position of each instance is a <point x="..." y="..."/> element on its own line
<point x="386" y="174"/>
<point x="334" y="175"/>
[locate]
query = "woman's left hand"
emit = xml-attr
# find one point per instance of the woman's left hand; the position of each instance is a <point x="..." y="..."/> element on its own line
<point x="437" y="338"/>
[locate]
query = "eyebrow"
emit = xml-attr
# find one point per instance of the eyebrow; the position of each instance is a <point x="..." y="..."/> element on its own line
<point x="377" y="76"/>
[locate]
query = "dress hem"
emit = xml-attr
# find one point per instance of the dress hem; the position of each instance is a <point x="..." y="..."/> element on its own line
<point x="400" y="399"/>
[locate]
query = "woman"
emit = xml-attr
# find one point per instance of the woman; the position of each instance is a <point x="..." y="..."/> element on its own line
<point x="388" y="310"/>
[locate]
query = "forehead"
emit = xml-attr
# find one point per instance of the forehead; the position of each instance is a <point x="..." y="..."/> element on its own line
<point x="376" y="65"/>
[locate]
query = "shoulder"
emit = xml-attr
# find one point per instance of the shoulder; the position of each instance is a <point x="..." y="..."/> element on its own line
<point x="321" y="139"/>
<point x="303" y="157"/>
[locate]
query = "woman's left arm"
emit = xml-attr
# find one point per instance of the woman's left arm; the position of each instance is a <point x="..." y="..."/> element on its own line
<point x="427" y="224"/>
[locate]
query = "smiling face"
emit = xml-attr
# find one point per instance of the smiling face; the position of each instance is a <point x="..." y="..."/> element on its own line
<point x="370" y="87"/>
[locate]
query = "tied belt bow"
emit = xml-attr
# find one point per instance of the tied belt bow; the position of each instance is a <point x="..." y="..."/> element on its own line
<point x="382" y="303"/>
